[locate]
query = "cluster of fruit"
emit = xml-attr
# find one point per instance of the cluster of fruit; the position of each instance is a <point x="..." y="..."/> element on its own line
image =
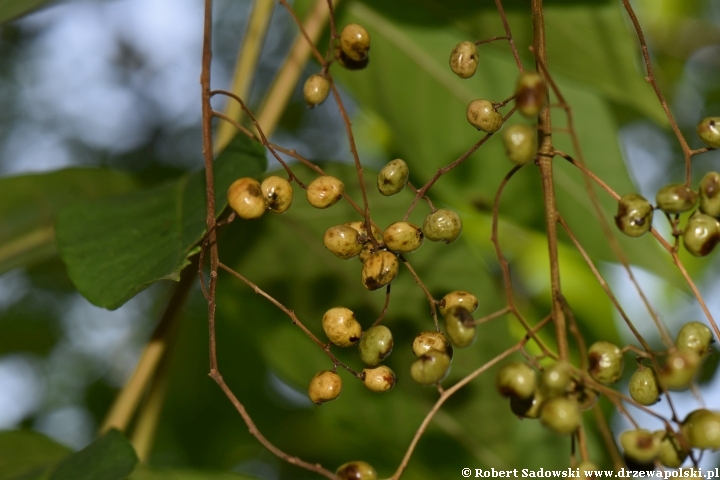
<point x="702" y="230"/>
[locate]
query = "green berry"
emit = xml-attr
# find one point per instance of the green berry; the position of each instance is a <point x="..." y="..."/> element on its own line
<point x="324" y="386"/>
<point x="516" y="379"/>
<point x="695" y="337"/>
<point x="357" y="470"/>
<point x="375" y="345"/>
<point x="246" y="197"/>
<point x="709" y="193"/>
<point x="403" y="237"/>
<point x="458" y="298"/>
<point x="585" y="397"/>
<point x="671" y="453"/>
<point x="482" y="115"/>
<point x="430" y="368"/>
<point x="679" y="370"/>
<point x="702" y="429"/>
<point x="560" y="414"/>
<point x="709" y="131"/>
<point x="393" y="177"/>
<point x="606" y="362"/>
<point x="379" y="269"/>
<point x="442" y="225"/>
<point x="426" y="341"/>
<point x="634" y="215"/>
<point x="701" y="234"/>
<point x="528" y="407"/>
<point x="342" y="241"/>
<point x="640" y="445"/>
<point x="531" y="94"/>
<point x="341" y="326"/>
<point x="464" y="59"/>
<point x="379" y="379"/>
<point x="555" y="380"/>
<point x="355" y="42"/>
<point x="460" y="327"/>
<point x="316" y="90"/>
<point x="325" y="191"/>
<point x="675" y="198"/>
<point x="278" y="194"/>
<point x="520" y="143"/>
<point x="644" y="387"/>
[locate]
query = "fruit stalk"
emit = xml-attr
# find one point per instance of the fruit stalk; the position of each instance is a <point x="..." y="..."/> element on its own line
<point x="544" y="160"/>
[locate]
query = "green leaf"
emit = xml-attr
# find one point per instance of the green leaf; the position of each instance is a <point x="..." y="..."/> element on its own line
<point x="12" y="9"/>
<point x="117" y="247"/>
<point x="111" y="457"/>
<point x="30" y="203"/>
<point x="27" y="455"/>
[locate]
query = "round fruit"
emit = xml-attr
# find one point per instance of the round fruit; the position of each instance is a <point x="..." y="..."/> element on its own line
<point x="375" y="345"/>
<point x="586" y="470"/>
<point x="634" y="215"/>
<point x="355" y="42"/>
<point x="347" y="62"/>
<point x="531" y="94"/>
<point x="357" y="470"/>
<point x="640" y="445"/>
<point x="431" y="367"/>
<point x="458" y="298"/>
<point x="460" y="327"/>
<point x="671" y="454"/>
<point x="379" y="269"/>
<point x="702" y="429"/>
<point x="528" y="407"/>
<point x="709" y="131"/>
<point x="606" y="362"/>
<point x="442" y="225"/>
<point x="278" y="194"/>
<point x="679" y="370"/>
<point x="246" y="197"/>
<point x="520" y="143"/>
<point x="709" y="193"/>
<point x="379" y="379"/>
<point x="426" y="341"/>
<point x="701" y="234"/>
<point x="516" y="379"/>
<point x="464" y="59"/>
<point x="316" y="90"/>
<point x="695" y="337"/>
<point x="403" y="237"/>
<point x="555" y="380"/>
<point x="675" y="198"/>
<point x="585" y="397"/>
<point x="359" y="226"/>
<point x="324" y="386"/>
<point x="393" y="177"/>
<point x="342" y="241"/>
<point x="560" y="414"/>
<point x="325" y="191"/>
<point x="482" y="115"/>
<point x="341" y="326"/>
<point x="644" y="387"/>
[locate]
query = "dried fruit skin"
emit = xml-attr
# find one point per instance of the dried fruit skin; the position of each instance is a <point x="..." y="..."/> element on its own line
<point x="342" y="241"/>
<point x="442" y="225"/>
<point x="520" y="143"/>
<point x="375" y="345"/>
<point x="379" y="269"/>
<point x="246" y="197"/>
<point x="701" y="234"/>
<point x="634" y="215"/>
<point x="482" y="115"/>
<point x="531" y="94"/>
<point x="393" y="177"/>
<point x="675" y="198"/>
<point x="316" y="90"/>
<point x="709" y="131"/>
<point x="341" y="326"/>
<point x="516" y="379"/>
<point x="430" y="368"/>
<point x="464" y="59"/>
<point x="278" y="194"/>
<point x="379" y="379"/>
<point x="403" y="237"/>
<point x="325" y="191"/>
<point x="324" y="386"/>
<point x="355" y="42"/>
